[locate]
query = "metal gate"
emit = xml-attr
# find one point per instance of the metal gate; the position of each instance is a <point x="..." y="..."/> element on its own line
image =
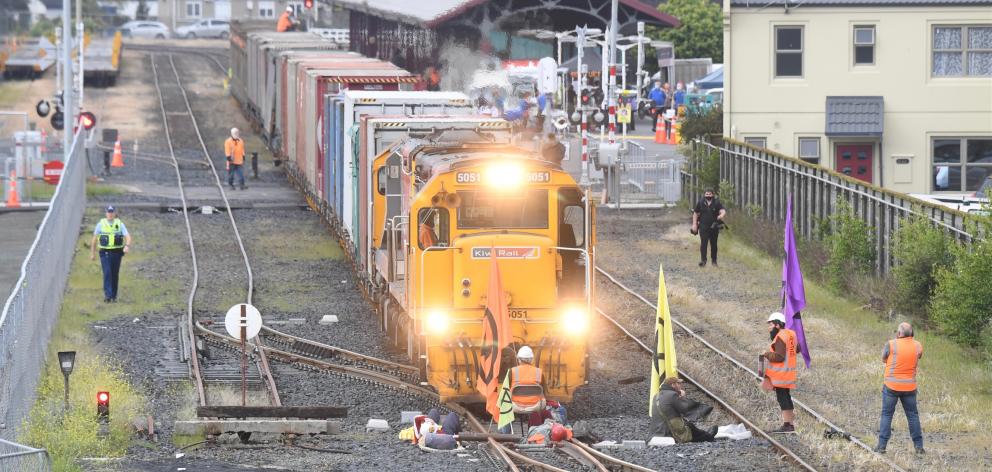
<point x="647" y="181"/>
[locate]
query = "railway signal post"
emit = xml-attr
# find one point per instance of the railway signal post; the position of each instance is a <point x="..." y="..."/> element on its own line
<point x="243" y="321"/>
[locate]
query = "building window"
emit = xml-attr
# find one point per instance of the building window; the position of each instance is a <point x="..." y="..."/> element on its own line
<point x="962" y="51"/>
<point x="961" y="164"/>
<point x="266" y="9"/>
<point x="788" y="51"/>
<point x="193" y="9"/>
<point x="809" y="150"/>
<point x="756" y="141"/>
<point x="864" y="45"/>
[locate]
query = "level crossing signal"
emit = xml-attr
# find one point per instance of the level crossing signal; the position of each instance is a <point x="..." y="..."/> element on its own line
<point x="87" y="119"/>
<point x="103" y="406"/>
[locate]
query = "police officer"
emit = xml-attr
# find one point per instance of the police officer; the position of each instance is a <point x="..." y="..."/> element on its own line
<point x="707" y="217"/>
<point x="111" y="236"/>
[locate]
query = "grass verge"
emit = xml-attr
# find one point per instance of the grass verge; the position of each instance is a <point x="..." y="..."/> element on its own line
<point x="73" y="435"/>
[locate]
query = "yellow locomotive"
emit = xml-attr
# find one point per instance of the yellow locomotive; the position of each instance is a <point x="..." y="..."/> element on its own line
<point x="437" y="212"/>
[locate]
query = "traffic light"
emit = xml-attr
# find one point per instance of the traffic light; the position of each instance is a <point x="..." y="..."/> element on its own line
<point x="308" y="4"/>
<point x="103" y="406"/>
<point x="87" y="119"/>
<point x="587" y="97"/>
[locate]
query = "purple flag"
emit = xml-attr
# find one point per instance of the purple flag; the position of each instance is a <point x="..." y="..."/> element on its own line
<point x="793" y="292"/>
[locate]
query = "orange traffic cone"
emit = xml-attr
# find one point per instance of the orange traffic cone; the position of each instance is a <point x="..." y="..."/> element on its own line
<point x="13" y="201"/>
<point x="676" y="135"/>
<point x="659" y="131"/>
<point x="118" y="160"/>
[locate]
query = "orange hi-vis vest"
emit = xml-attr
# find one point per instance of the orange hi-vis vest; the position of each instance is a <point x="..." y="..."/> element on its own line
<point x="284" y="23"/>
<point x="900" y="367"/>
<point x="783" y="374"/>
<point x="235" y="149"/>
<point x="524" y="374"/>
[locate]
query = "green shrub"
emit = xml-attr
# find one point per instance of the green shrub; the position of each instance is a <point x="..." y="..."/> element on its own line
<point x="850" y="246"/>
<point x="702" y="124"/>
<point x="920" y="250"/>
<point x="727" y="194"/>
<point x="962" y="298"/>
<point x="705" y="165"/>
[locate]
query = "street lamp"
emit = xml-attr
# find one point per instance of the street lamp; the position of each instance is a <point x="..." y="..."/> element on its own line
<point x="67" y="359"/>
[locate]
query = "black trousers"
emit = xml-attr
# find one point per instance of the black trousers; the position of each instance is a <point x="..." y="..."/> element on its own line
<point x="784" y="397"/>
<point x="708" y="236"/>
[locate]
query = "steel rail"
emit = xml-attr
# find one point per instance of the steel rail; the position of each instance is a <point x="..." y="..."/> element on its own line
<point x="211" y="55"/>
<point x="194" y="361"/>
<point x="822" y="419"/>
<point x="320" y="350"/>
<point x="777" y="445"/>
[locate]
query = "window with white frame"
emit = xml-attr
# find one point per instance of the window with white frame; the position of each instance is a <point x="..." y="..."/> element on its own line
<point x="864" y="45"/>
<point x="961" y="164"/>
<point x="297" y="8"/>
<point x="194" y="8"/>
<point x="962" y="51"/>
<point x="266" y="9"/>
<point x="788" y="51"/>
<point x="756" y="141"/>
<point x="809" y="150"/>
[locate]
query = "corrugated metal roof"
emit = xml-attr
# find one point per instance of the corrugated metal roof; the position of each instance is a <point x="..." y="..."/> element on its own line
<point x="854" y="116"/>
<point x="855" y="3"/>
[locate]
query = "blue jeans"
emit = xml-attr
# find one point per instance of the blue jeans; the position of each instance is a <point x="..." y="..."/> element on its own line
<point x="111" y="263"/>
<point x="236" y="169"/>
<point x="889" y="399"/>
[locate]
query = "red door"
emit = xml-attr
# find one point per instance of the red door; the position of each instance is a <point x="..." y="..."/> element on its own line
<point x="856" y="160"/>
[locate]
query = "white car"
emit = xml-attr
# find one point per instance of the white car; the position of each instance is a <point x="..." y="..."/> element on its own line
<point x="145" y="29"/>
<point x="205" y="29"/>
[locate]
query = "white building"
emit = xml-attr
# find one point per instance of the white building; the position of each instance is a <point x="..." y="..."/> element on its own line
<point x="893" y="92"/>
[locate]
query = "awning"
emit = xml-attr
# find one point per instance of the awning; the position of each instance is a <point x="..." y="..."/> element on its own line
<point x="711" y="81"/>
<point x="854" y="116"/>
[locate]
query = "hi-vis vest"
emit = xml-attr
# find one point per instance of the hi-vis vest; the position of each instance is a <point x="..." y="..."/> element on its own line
<point x="900" y="367"/>
<point x="110" y="235"/>
<point x="783" y="374"/>
<point x="524" y="374"/>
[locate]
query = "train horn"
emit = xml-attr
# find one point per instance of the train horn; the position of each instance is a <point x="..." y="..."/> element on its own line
<point x="438" y="198"/>
<point x="453" y="200"/>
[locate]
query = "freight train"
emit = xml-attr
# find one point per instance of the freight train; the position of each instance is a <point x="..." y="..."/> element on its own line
<point x="422" y="192"/>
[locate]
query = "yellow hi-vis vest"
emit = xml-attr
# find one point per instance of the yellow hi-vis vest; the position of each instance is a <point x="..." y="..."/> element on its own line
<point x="110" y="235"/>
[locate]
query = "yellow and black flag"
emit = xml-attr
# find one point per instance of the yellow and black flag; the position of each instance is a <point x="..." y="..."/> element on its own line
<point x="663" y="364"/>
<point x="506" y="415"/>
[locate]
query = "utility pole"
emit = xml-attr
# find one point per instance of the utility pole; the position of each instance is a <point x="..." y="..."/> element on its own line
<point x="80" y="45"/>
<point x="67" y="98"/>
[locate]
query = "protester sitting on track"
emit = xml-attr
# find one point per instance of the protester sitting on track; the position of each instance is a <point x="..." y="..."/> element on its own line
<point x="672" y="411"/>
<point x="901" y="357"/>
<point x="549" y="431"/>
<point x="780" y="373"/>
<point x="432" y="432"/>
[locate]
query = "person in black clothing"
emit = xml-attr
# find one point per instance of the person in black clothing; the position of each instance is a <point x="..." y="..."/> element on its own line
<point x="553" y="150"/>
<point x="673" y="415"/>
<point x="706" y="219"/>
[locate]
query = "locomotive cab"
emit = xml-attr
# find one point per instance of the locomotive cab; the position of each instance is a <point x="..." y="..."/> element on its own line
<point x="463" y="203"/>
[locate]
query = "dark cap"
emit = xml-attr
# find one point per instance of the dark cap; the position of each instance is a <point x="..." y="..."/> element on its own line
<point x="110" y="209"/>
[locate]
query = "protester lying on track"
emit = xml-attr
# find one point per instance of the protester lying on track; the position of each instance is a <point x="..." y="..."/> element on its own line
<point x="673" y="414"/>
<point x="432" y="432"/>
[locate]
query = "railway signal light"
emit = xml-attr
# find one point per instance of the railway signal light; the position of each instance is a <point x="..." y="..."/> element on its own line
<point x="103" y="406"/>
<point x="43" y="108"/>
<point x="586" y="97"/>
<point x="87" y="119"/>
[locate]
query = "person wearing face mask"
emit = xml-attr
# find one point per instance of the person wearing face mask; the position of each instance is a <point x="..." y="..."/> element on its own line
<point x="707" y="217"/>
<point x="780" y="370"/>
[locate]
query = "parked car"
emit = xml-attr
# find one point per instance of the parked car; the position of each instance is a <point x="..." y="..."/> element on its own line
<point x="145" y="29"/>
<point x="205" y="29"/>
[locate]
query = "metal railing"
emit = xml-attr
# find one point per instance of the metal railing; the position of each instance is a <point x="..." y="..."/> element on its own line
<point x="33" y="307"/>
<point x="14" y="456"/>
<point x="647" y="179"/>
<point x="764" y="179"/>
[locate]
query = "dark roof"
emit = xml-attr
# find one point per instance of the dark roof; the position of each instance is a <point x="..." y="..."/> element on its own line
<point x="854" y="116"/>
<point x="434" y="12"/>
<point x="854" y="3"/>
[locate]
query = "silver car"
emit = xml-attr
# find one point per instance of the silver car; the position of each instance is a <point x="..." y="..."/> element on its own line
<point x="145" y="29"/>
<point x="205" y="29"/>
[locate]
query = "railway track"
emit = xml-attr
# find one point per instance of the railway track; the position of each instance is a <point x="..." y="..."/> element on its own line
<point x="778" y="445"/>
<point x="180" y="123"/>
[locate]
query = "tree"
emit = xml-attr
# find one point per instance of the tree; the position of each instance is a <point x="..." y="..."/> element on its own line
<point x="701" y="33"/>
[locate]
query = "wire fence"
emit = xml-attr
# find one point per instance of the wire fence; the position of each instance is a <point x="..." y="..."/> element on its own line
<point x="17" y="457"/>
<point x="32" y="308"/>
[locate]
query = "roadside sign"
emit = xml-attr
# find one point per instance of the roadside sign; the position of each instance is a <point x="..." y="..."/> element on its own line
<point x="53" y="171"/>
<point x="251" y="320"/>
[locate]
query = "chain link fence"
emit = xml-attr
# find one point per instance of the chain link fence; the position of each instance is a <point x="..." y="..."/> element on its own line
<point x="14" y="456"/>
<point x="32" y="309"/>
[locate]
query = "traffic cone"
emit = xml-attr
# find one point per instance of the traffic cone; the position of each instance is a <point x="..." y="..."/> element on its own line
<point x="659" y="131"/>
<point x="118" y="160"/>
<point x="13" y="201"/>
<point x="676" y="135"/>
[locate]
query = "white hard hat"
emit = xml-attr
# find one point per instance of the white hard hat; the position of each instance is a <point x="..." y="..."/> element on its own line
<point x="777" y="317"/>
<point x="289" y="9"/>
<point x="525" y="353"/>
<point x="234" y="131"/>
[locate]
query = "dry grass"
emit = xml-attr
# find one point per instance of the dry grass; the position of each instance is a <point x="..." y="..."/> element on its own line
<point x="845" y="339"/>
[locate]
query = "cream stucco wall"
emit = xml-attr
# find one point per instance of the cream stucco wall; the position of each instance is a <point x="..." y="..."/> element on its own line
<point x="917" y="107"/>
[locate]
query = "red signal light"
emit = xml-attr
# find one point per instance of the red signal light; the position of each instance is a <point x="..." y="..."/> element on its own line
<point x="103" y="397"/>
<point x="103" y="406"/>
<point x="308" y="4"/>
<point x="87" y="119"/>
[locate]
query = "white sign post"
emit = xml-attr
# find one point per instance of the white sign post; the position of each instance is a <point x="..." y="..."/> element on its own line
<point x="243" y="322"/>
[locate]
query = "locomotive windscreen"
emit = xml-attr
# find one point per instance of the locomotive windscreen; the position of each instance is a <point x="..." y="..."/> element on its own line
<point x="523" y="209"/>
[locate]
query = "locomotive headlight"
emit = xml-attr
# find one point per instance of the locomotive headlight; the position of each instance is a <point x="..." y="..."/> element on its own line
<point x="505" y="176"/>
<point x="437" y="321"/>
<point x="575" y="320"/>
